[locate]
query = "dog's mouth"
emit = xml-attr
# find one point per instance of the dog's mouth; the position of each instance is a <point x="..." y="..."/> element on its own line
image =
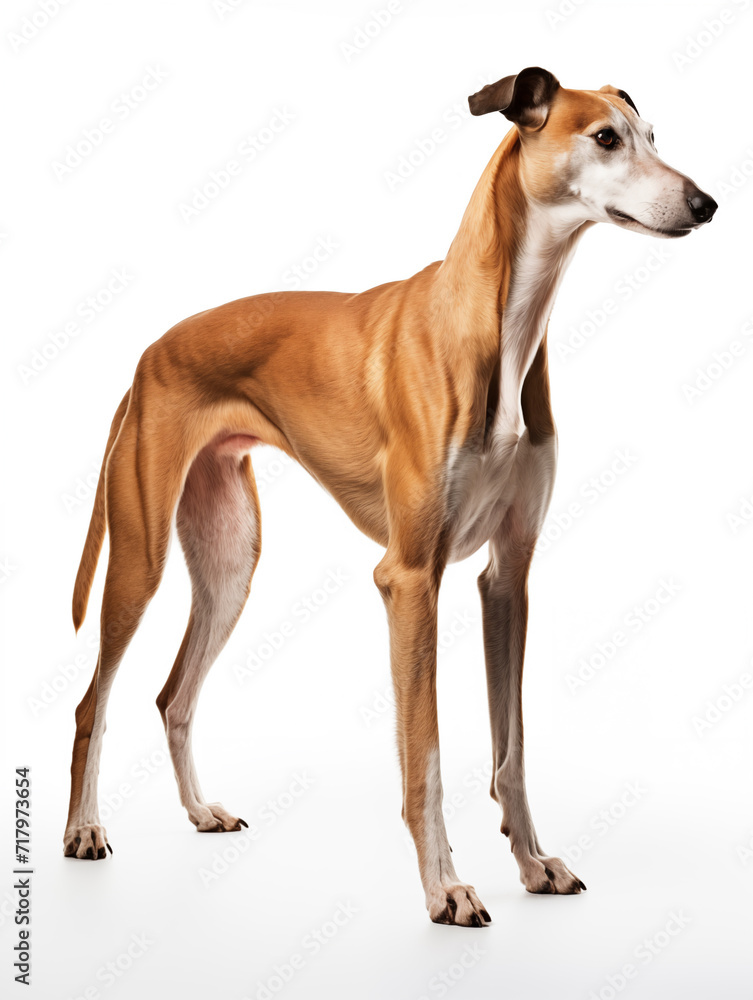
<point x="623" y="217"/>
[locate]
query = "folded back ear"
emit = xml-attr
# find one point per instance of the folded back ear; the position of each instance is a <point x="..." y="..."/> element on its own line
<point x="608" y="89"/>
<point x="524" y="98"/>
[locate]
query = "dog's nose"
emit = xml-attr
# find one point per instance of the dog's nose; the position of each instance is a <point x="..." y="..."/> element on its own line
<point x="702" y="206"/>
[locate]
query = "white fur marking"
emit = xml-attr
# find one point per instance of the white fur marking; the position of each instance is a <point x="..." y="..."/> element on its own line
<point x="484" y="483"/>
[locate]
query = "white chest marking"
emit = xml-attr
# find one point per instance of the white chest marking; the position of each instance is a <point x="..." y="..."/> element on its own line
<point x="483" y="482"/>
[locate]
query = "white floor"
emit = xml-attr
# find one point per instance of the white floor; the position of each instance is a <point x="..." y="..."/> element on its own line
<point x="325" y="901"/>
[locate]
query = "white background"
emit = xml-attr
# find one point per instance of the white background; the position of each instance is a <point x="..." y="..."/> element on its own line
<point x="679" y="844"/>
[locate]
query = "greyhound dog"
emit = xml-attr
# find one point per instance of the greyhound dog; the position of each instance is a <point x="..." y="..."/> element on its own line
<point x="423" y="407"/>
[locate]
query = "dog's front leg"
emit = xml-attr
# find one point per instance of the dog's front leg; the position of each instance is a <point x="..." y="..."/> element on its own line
<point x="504" y="599"/>
<point x="410" y="593"/>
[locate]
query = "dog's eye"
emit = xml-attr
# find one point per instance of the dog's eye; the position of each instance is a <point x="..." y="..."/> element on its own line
<point x="653" y="141"/>
<point x="606" y="137"/>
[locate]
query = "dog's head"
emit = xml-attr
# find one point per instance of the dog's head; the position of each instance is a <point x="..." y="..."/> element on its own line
<point x="591" y="152"/>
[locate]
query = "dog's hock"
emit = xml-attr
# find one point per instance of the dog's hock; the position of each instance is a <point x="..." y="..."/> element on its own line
<point x="524" y="99"/>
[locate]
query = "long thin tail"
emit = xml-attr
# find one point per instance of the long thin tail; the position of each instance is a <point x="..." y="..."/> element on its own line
<point x="97" y="527"/>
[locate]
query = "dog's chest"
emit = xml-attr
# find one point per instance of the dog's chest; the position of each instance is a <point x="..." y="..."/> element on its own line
<point x="481" y="486"/>
<point x="483" y="482"/>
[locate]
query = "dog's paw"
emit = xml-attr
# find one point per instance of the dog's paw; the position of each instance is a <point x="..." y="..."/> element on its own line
<point x="214" y="818"/>
<point x="88" y="842"/>
<point x="457" y="904"/>
<point x="549" y="876"/>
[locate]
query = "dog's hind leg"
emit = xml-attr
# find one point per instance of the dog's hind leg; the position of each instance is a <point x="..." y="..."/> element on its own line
<point x="143" y="480"/>
<point x="218" y="525"/>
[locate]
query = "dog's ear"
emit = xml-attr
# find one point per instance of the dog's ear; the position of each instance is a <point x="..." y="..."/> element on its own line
<point x="608" y="89"/>
<point x="524" y="98"/>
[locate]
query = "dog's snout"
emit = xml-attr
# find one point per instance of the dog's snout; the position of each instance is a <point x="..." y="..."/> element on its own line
<point x="702" y="206"/>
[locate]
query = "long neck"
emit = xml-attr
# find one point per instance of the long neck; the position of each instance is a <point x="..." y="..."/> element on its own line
<point x="494" y="221"/>
<point x="501" y="274"/>
<point x="545" y="251"/>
